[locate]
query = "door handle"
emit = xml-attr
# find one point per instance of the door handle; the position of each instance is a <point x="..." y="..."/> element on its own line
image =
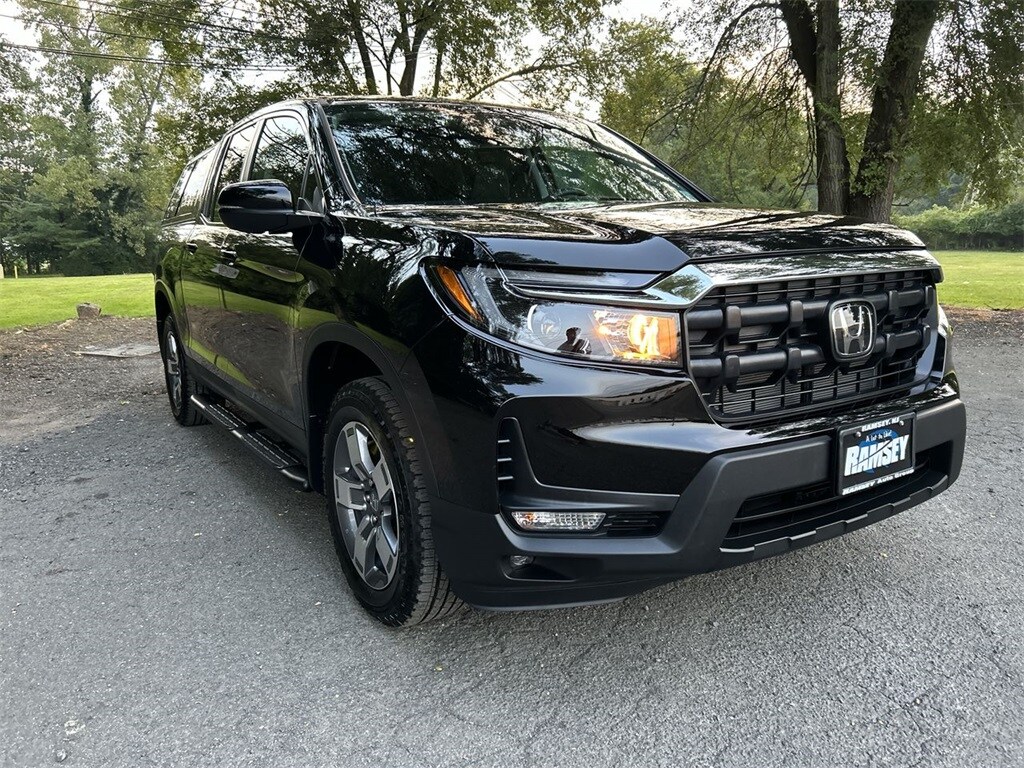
<point x="191" y="247"/>
<point x="228" y="256"/>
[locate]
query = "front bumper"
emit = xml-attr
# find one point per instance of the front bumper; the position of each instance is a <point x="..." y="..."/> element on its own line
<point x="475" y="547"/>
<point x="616" y="438"/>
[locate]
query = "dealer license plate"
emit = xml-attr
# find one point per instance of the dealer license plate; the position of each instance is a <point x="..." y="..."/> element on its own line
<point x="875" y="452"/>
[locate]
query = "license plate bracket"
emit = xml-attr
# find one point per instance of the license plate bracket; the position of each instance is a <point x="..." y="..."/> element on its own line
<point x="874" y="452"/>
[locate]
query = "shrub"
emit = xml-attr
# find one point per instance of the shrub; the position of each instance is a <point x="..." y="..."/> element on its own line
<point x="944" y="228"/>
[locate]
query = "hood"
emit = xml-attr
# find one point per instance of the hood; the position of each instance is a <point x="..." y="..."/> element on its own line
<point x="651" y="237"/>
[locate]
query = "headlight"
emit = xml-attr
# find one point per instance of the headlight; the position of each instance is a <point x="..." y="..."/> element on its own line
<point x="481" y="296"/>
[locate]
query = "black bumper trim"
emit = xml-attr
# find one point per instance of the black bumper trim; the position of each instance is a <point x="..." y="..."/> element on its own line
<point x="861" y="515"/>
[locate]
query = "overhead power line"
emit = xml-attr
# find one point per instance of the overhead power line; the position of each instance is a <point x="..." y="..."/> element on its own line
<point x="176" y="7"/>
<point x="182" y="22"/>
<point x="111" y="33"/>
<point x="141" y="59"/>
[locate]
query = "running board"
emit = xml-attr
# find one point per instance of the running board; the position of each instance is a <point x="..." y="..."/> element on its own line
<point x="272" y="452"/>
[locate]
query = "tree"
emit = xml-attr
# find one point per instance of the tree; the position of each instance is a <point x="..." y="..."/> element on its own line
<point x="122" y="92"/>
<point x="734" y="140"/>
<point x="873" y="72"/>
<point x="387" y="47"/>
<point x="15" y="148"/>
<point x="814" y="39"/>
<point x="93" y="185"/>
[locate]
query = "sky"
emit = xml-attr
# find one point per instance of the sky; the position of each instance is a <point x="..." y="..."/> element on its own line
<point x="13" y="31"/>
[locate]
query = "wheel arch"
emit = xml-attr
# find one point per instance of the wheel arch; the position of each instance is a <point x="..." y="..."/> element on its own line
<point x="336" y="354"/>
<point x="163" y="306"/>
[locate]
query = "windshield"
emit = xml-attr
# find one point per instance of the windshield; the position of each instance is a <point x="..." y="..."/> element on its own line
<point x="449" y="154"/>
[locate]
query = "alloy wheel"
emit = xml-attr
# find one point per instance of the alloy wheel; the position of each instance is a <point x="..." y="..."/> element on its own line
<point x="364" y="500"/>
<point x="172" y="364"/>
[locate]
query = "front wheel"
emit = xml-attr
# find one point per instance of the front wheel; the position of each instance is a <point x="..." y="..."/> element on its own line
<point x="379" y="514"/>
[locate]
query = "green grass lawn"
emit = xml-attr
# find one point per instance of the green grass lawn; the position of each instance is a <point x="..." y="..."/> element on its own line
<point x="982" y="279"/>
<point x="41" y="300"/>
<point x="977" y="279"/>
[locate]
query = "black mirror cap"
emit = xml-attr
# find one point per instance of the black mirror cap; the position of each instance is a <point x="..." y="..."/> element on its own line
<point x="261" y="206"/>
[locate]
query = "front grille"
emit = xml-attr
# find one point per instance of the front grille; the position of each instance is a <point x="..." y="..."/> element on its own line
<point x="758" y="351"/>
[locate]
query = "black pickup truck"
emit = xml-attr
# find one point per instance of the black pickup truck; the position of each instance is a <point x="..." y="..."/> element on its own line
<point x="528" y="364"/>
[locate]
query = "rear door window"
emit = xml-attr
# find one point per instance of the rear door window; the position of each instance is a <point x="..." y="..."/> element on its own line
<point x="192" y="195"/>
<point x="175" y="201"/>
<point x="234" y="163"/>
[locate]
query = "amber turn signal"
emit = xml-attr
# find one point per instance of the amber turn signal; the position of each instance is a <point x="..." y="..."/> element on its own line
<point x="452" y="284"/>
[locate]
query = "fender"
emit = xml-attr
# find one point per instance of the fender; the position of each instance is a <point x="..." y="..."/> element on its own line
<point x="160" y="288"/>
<point x="166" y="283"/>
<point x="390" y="363"/>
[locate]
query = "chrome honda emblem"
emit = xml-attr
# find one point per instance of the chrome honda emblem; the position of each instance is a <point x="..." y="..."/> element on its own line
<point x="853" y="329"/>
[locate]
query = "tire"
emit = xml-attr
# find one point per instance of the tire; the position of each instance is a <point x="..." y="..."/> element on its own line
<point x="378" y="510"/>
<point x="180" y="386"/>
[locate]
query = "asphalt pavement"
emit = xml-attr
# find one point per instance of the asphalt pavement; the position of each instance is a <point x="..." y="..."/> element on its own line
<point x="167" y="601"/>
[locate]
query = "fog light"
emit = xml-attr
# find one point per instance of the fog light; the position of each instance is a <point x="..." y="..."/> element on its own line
<point x="558" y="521"/>
<point x="520" y="561"/>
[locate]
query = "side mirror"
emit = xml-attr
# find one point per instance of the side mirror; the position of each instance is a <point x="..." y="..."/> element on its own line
<point x="261" y="206"/>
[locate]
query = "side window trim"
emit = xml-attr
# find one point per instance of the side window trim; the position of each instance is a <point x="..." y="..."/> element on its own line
<point x="250" y="155"/>
<point x="333" y="171"/>
<point x="211" y="181"/>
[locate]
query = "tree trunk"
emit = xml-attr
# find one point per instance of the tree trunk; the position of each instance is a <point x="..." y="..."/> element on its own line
<point x="412" y="57"/>
<point x="408" y="81"/>
<point x="138" y="146"/>
<point x="803" y="40"/>
<point x="814" y="43"/>
<point x="833" y="164"/>
<point x="438" y="59"/>
<point x="815" y="48"/>
<point x="894" y="94"/>
<point x="355" y="14"/>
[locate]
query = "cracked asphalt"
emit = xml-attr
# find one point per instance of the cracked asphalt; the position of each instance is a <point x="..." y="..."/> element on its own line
<point x="165" y="600"/>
